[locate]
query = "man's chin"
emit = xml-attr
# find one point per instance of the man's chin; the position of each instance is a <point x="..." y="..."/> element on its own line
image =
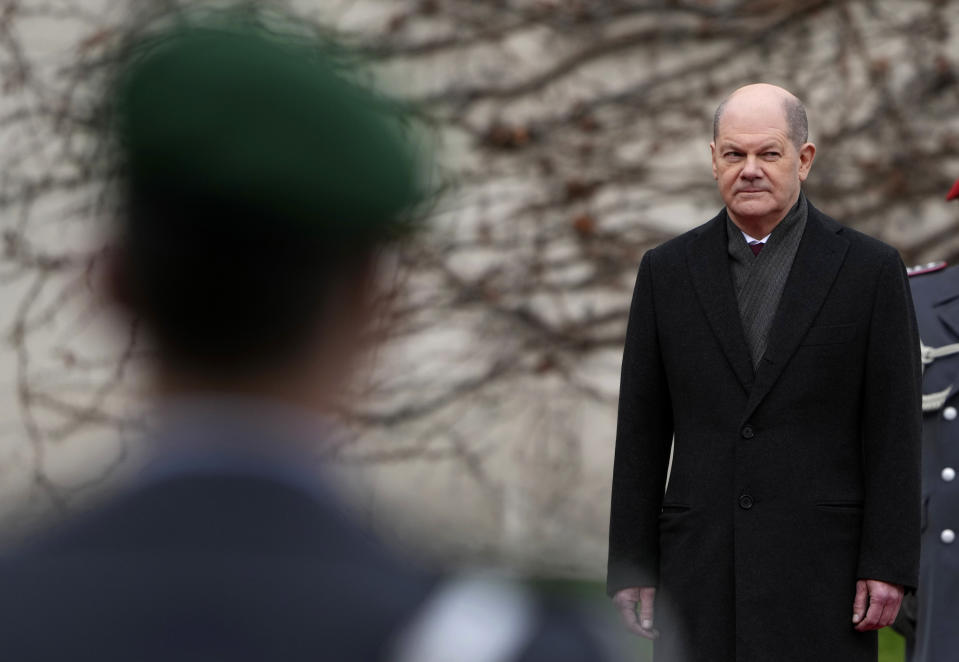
<point x="751" y="208"/>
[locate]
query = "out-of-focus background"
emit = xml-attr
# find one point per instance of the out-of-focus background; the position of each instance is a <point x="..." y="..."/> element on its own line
<point x="568" y="136"/>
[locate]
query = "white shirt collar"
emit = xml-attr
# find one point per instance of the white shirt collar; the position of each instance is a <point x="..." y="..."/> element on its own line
<point x="750" y="240"/>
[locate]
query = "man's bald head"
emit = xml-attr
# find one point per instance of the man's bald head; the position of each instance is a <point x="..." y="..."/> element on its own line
<point x="795" y="113"/>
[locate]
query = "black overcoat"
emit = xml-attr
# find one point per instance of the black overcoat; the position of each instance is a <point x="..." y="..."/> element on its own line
<point x="788" y="481"/>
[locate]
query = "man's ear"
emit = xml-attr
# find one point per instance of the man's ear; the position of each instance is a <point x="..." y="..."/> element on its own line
<point x="712" y="154"/>
<point x="806" y="155"/>
<point x="115" y="282"/>
<point x="355" y="300"/>
<point x="374" y="288"/>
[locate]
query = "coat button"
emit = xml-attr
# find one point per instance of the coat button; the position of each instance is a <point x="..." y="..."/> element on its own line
<point x="947" y="536"/>
<point x="949" y="413"/>
<point x="748" y="432"/>
<point x="745" y="502"/>
<point x="948" y="474"/>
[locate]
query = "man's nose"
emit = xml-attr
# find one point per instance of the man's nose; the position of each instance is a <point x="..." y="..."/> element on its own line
<point x="751" y="169"/>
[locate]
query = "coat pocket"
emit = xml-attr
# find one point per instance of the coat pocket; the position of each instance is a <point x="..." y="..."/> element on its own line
<point x="851" y="507"/>
<point x="674" y="508"/>
<point x="832" y="334"/>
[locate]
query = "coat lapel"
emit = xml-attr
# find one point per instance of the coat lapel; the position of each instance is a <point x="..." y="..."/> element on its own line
<point x="820" y="255"/>
<point x="708" y="264"/>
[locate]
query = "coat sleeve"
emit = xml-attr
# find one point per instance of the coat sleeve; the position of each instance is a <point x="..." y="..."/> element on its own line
<point x="891" y="428"/>
<point x="643" y="437"/>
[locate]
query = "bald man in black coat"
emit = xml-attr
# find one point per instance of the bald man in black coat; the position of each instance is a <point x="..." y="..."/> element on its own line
<point x="774" y="353"/>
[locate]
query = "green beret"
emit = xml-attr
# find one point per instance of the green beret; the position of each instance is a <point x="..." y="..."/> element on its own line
<point x="228" y="111"/>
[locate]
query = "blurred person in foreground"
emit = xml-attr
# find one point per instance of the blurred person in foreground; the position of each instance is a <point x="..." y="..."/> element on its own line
<point x="777" y="350"/>
<point x="259" y="188"/>
<point x="928" y="618"/>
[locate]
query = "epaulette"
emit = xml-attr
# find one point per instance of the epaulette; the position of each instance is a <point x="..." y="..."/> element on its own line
<point x="927" y="268"/>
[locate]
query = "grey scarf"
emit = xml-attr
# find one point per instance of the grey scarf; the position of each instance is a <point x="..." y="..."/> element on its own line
<point x="759" y="279"/>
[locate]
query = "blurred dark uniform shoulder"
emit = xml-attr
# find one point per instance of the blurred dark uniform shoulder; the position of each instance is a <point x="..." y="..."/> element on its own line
<point x="228" y="552"/>
<point x="928" y="618"/>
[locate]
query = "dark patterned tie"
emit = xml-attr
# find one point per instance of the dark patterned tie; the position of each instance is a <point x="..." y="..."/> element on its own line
<point x="756" y="246"/>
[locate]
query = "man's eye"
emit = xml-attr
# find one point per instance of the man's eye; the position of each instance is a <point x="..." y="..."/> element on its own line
<point x="772" y="155"/>
<point x="733" y="155"/>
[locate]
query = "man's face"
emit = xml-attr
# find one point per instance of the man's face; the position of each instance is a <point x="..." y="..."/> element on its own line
<point x="755" y="163"/>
